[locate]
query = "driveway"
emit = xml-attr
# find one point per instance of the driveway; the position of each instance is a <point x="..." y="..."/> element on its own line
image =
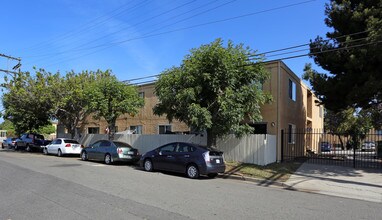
<point x="339" y="181"/>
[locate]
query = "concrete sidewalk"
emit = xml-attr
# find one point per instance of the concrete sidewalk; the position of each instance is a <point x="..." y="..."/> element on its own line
<point x="339" y="181"/>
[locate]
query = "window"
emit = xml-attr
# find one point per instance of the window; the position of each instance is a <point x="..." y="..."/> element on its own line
<point x="168" y="148"/>
<point x="379" y="132"/>
<point x="93" y="130"/>
<point x="137" y="129"/>
<point x="164" y="129"/>
<point x="105" y="144"/>
<point x="183" y="148"/>
<point x="321" y="111"/>
<point x="58" y="141"/>
<point x="141" y="94"/>
<point x="291" y="133"/>
<point x="292" y="90"/>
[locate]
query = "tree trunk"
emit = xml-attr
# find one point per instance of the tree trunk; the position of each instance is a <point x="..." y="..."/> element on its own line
<point x="211" y="138"/>
<point x="111" y="127"/>
<point x="342" y="143"/>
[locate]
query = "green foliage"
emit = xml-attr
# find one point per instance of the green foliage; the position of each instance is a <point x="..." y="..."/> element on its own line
<point x="71" y="100"/>
<point x="355" y="78"/>
<point x="46" y="130"/>
<point x="7" y="125"/>
<point x="216" y="88"/>
<point x="110" y="98"/>
<point x="28" y="101"/>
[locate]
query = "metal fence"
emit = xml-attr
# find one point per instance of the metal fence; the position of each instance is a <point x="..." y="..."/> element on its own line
<point x="318" y="146"/>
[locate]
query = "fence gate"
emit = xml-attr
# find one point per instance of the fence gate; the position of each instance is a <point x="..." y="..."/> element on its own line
<point x="317" y="146"/>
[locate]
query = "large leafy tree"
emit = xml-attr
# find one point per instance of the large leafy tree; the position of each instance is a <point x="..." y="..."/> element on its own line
<point x="352" y="54"/>
<point x="28" y="99"/>
<point x="110" y="98"/>
<point x="71" y="100"/>
<point x="216" y="88"/>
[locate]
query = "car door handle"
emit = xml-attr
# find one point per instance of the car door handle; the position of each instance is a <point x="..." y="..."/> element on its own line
<point x="186" y="155"/>
<point x="169" y="156"/>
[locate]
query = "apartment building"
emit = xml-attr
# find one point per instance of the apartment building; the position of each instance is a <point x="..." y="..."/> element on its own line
<point x="294" y="106"/>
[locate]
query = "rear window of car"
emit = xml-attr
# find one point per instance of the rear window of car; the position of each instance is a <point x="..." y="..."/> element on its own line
<point x="122" y="144"/>
<point x="39" y="137"/>
<point x="71" y="141"/>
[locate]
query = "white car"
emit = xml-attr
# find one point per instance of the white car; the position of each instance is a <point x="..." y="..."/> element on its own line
<point x="368" y="146"/>
<point x="62" y="146"/>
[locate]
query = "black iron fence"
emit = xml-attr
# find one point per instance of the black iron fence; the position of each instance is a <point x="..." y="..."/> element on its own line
<point x="318" y="146"/>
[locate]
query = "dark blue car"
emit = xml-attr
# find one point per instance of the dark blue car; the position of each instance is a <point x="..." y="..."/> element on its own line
<point x="326" y="146"/>
<point x="192" y="159"/>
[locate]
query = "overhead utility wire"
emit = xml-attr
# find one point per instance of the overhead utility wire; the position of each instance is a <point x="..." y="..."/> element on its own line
<point x="78" y="48"/>
<point x="84" y="27"/>
<point x="105" y="46"/>
<point x="285" y="58"/>
<point x="272" y="51"/>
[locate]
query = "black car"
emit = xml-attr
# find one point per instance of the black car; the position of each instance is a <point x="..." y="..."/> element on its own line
<point x="191" y="159"/>
<point x="110" y="151"/>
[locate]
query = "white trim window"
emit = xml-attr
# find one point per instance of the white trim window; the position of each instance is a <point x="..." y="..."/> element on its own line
<point x="137" y="129"/>
<point x="164" y="129"/>
<point x="292" y="90"/>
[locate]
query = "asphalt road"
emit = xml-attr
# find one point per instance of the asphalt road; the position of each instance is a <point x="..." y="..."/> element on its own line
<point x="34" y="186"/>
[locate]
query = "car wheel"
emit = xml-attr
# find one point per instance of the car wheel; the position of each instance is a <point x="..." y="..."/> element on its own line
<point x="108" y="160"/>
<point x="45" y="151"/>
<point x="2" y="146"/>
<point x="212" y="175"/>
<point x="148" y="165"/>
<point x="84" y="156"/>
<point x="193" y="171"/>
<point x="28" y="148"/>
<point x="59" y="153"/>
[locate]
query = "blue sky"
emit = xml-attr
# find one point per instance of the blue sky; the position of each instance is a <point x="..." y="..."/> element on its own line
<point x="87" y="34"/>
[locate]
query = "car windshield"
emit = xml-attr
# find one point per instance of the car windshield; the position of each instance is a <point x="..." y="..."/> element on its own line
<point x="39" y="137"/>
<point x="121" y="144"/>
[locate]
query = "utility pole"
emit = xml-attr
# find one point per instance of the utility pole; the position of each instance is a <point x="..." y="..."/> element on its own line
<point x="17" y="66"/>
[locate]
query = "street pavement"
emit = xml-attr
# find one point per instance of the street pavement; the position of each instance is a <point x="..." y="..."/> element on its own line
<point x="34" y="186"/>
<point x="347" y="182"/>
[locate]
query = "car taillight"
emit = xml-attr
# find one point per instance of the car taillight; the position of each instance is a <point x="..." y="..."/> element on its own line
<point x="206" y="156"/>
<point x="119" y="150"/>
<point x="68" y="145"/>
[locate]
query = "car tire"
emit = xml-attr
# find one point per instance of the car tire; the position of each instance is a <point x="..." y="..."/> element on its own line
<point x="84" y="156"/>
<point x="107" y="159"/>
<point x="192" y="171"/>
<point x="45" y="151"/>
<point x="212" y="175"/>
<point x="28" y="148"/>
<point x="148" y="165"/>
<point x="2" y="146"/>
<point x="59" y="153"/>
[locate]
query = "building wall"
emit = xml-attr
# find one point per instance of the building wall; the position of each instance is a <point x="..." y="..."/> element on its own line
<point x="303" y="113"/>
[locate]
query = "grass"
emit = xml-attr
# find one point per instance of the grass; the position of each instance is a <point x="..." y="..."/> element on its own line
<point x="275" y="172"/>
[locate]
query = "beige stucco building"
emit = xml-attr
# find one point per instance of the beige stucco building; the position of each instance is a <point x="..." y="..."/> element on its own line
<point x="293" y="107"/>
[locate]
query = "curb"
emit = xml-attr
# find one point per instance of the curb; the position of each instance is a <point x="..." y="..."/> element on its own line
<point x="260" y="182"/>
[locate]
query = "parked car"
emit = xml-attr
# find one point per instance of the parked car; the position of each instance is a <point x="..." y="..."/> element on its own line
<point x="368" y="146"/>
<point x="63" y="146"/>
<point x="30" y="141"/>
<point x="110" y="152"/>
<point x="9" y="143"/>
<point x="191" y="159"/>
<point x="326" y="146"/>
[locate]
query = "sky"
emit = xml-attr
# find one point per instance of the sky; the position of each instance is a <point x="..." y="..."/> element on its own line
<point x="139" y="38"/>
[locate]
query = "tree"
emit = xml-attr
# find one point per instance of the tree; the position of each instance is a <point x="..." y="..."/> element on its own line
<point x="7" y="125"/>
<point x="354" y="62"/>
<point x="28" y="101"/>
<point x="71" y="101"/>
<point x="110" y="98"/>
<point x="46" y="130"/>
<point x="216" y="88"/>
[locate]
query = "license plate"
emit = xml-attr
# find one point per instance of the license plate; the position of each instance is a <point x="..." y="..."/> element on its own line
<point x="217" y="161"/>
<point x="130" y="153"/>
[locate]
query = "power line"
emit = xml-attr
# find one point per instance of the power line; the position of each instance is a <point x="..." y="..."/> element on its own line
<point x="105" y="46"/>
<point x="285" y="58"/>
